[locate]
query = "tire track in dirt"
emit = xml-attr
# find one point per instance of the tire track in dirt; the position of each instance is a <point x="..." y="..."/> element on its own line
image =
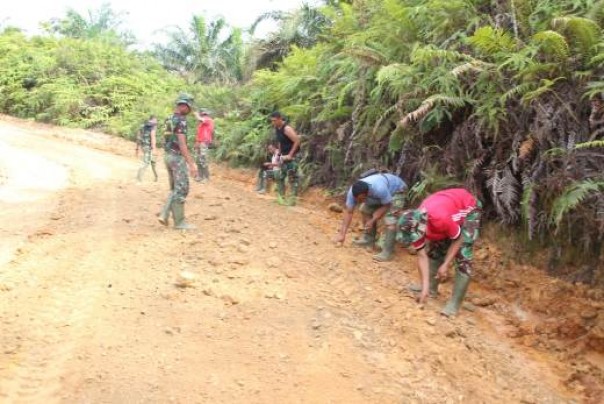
<point x="57" y="296"/>
<point x="66" y="295"/>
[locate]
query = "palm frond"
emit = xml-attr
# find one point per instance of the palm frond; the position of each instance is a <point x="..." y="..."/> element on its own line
<point x="429" y="103"/>
<point x="589" y="145"/>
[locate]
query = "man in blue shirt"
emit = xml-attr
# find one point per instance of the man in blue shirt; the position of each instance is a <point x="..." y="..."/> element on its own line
<point x="380" y="195"/>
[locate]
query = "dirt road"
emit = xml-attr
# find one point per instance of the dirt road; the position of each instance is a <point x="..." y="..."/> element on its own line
<point x="90" y="311"/>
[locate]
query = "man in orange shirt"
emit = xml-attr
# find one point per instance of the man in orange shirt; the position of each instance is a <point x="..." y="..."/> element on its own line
<point x="203" y="140"/>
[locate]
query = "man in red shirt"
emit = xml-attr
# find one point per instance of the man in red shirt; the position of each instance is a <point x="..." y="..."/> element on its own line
<point x="443" y="230"/>
<point x="203" y="140"/>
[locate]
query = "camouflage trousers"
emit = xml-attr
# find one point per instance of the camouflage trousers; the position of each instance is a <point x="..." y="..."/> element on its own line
<point x="178" y="176"/>
<point x="148" y="157"/>
<point x="201" y="160"/>
<point x="437" y="250"/>
<point x="288" y="170"/>
<point x="270" y="174"/>
<point x="370" y="205"/>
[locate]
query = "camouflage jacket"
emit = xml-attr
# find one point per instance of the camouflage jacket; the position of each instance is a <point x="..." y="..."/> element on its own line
<point x="173" y="126"/>
<point x="144" y="138"/>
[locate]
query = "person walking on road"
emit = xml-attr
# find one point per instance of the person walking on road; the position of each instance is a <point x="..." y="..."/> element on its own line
<point x="443" y="230"/>
<point x="177" y="157"/>
<point x="203" y="141"/>
<point x="146" y="141"/>
<point x="381" y="195"/>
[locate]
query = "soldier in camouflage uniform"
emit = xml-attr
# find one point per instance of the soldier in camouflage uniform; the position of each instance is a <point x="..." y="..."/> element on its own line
<point x="177" y="157"/>
<point x="203" y="142"/>
<point x="146" y="141"/>
<point x="443" y="230"/>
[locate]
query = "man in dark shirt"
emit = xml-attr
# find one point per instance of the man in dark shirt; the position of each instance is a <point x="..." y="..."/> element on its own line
<point x="289" y="144"/>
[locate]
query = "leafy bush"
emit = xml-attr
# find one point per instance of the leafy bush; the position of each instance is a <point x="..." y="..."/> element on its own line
<point x="86" y="83"/>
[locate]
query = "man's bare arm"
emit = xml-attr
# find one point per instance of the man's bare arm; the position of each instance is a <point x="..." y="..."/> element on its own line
<point x="293" y="136"/>
<point x="153" y="141"/>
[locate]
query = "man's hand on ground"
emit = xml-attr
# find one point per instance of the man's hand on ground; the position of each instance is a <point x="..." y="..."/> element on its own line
<point x="339" y="239"/>
<point x="422" y="298"/>
<point x="442" y="273"/>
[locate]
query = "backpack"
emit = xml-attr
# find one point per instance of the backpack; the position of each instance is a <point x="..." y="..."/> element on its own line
<point x="372" y="171"/>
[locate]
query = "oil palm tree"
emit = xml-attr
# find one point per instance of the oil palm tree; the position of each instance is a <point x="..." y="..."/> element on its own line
<point x="301" y="27"/>
<point x="203" y="53"/>
<point x="103" y="23"/>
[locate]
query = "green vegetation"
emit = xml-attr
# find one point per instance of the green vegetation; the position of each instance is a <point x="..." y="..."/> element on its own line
<point x="81" y="81"/>
<point x="492" y="95"/>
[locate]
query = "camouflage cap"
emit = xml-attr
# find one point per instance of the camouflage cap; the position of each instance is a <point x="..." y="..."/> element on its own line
<point x="186" y="99"/>
<point x="411" y="226"/>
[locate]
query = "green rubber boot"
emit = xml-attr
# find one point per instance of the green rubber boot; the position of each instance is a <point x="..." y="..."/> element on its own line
<point x="164" y="215"/>
<point x="178" y="212"/>
<point x="139" y="175"/>
<point x="261" y="187"/>
<point x="199" y="166"/>
<point x="368" y="238"/>
<point x="154" y="170"/>
<point x="462" y="281"/>
<point x="434" y="265"/>
<point x="434" y="282"/>
<point x="387" y="248"/>
<point x="293" y="199"/>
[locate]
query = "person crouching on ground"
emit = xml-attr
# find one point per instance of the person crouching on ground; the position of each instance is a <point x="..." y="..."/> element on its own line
<point x="443" y="230"/>
<point x="381" y="195"/>
<point x="269" y="169"/>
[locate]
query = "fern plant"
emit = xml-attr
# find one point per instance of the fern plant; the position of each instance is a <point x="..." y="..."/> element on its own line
<point x="571" y="199"/>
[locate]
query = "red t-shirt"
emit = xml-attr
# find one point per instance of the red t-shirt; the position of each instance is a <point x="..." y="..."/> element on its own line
<point x="205" y="130"/>
<point x="446" y="212"/>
